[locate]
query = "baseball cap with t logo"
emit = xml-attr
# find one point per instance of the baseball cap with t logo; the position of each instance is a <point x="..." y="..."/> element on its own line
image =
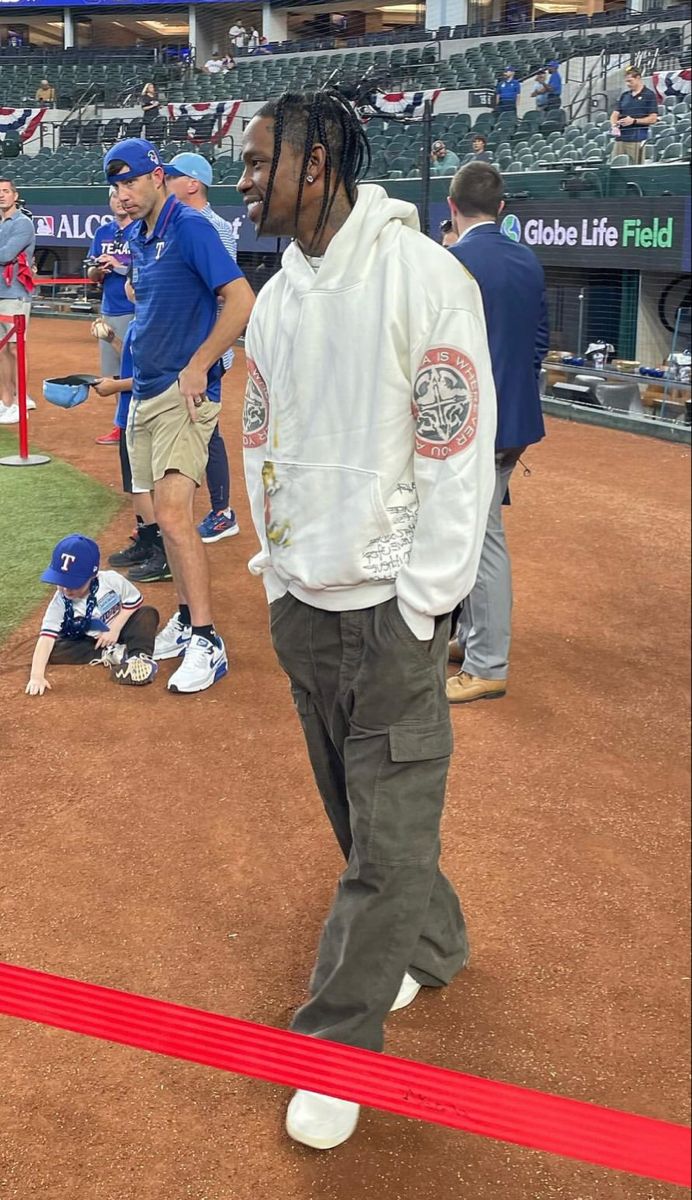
<point x="140" y="157"/>
<point x="74" y="561"/>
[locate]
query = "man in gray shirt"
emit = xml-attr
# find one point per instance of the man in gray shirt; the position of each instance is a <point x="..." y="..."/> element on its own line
<point x="17" y="241"/>
<point x="189" y="177"/>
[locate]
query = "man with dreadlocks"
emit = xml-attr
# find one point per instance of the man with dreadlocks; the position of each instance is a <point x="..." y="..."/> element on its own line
<point x="369" y="428"/>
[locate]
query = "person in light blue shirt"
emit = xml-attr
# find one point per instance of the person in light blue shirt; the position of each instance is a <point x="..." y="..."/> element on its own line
<point x="180" y="274"/>
<point x="541" y="93"/>
<point x="17" y="242"/>
<point x="507" y="92"/>
<point x="189" y="177"/>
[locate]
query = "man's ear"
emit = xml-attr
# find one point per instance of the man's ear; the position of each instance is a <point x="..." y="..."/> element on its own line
<point x="316" y="161"/>
<point x="454" y="213"/>
<point x="501" y="209"/>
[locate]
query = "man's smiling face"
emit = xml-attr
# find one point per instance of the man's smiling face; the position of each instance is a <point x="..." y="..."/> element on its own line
<point x="279" y="220"/>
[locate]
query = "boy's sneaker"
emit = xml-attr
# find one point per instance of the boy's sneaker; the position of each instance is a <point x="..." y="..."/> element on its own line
<point x="218" y="525"/>
<point x="204" y="663"/>
<point x="134" y="671"/>
<point x="109" y="439"/>
<point x="173" y="640"/>
<point x="152" y="569"/>
<point x="132" y="555"/>
<point x="110" y="656"/>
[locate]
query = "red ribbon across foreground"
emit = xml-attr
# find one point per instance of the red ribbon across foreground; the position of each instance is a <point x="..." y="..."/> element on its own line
<point x="622" y="1141"/>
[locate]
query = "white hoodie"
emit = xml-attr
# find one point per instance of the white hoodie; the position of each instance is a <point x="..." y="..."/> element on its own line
<point x="369" y="421"/>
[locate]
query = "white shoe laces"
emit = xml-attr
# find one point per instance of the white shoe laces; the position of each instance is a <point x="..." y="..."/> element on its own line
<point x="199" y="654"/>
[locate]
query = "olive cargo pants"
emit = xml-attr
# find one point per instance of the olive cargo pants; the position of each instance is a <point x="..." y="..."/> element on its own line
<point x="371" y="700"/>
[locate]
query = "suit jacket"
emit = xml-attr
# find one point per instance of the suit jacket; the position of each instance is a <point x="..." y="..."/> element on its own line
<point x="512" y="285"/>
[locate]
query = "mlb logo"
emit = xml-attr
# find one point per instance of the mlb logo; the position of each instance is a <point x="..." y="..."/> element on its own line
<point x="45" y="226"/>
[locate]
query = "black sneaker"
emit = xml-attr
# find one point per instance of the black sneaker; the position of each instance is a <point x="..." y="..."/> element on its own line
<point x="132" y="555"/>
<point x="154" y="569"/>
<point x="134" y="671"/>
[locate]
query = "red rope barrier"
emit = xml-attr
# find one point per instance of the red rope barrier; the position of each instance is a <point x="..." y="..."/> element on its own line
<point x="49" y="281"/>
<point x="572" y="1128"/>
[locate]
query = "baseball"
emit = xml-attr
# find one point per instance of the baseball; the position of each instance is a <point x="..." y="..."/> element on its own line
<point x="101" y="329"/>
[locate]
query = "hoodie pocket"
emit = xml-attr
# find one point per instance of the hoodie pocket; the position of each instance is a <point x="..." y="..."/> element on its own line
<point x="320" y="520"/>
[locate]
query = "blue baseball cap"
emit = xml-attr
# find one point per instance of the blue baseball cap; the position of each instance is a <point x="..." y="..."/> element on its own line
<point x="141" y="156"/>
<point x="508" y="68"/>
<point x="74" y="561"/>
<point x="553" y="63"/>
<point x="192" y="166"/>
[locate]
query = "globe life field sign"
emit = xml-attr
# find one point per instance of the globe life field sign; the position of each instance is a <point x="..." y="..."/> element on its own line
<point x="606" y="233"/>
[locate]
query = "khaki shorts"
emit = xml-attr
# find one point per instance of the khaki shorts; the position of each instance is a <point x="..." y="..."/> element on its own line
<point x="633" y="150"/>
<point x="13" y="308"/>
<point x="161" y="437"/>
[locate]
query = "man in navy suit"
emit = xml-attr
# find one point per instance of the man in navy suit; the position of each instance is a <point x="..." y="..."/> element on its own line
<point x="512" y="285"/>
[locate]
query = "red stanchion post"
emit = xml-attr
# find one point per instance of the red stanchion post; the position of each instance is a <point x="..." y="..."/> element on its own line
<point x="23" y="459"/>
<point x="20" y="330"/>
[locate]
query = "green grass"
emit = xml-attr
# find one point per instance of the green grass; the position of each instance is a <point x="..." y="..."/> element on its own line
<point x="38" y="507"/>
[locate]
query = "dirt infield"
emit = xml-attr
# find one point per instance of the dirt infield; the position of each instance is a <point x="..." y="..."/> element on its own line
<point x="174" y="846"/>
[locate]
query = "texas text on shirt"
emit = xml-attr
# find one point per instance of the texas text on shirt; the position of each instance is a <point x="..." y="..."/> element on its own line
<point x="181" y="257"/>
<point x="111" y="239"/>
<point x="114" y="594"/>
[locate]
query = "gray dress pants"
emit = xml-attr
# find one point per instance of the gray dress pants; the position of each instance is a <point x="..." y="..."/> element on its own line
<point x="372" y="703"/>
<point x="110" y="357"/>
<point x="485" y="622"/>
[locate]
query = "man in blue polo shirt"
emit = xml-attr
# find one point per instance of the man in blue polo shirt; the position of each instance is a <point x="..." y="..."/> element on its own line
<point x="180" y="273"/>
<point x="554" y="85"/>
<point x="636" y="112"/>
<point x="507" y="92"/>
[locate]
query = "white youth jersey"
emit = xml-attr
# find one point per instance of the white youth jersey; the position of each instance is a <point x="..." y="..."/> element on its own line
<point x="114" y="594"/>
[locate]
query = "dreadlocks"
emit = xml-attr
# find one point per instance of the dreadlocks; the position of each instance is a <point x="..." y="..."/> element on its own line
<point x="304" y="119"/>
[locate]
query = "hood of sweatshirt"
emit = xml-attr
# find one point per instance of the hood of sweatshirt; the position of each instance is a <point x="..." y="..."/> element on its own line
<point x="347" y="257"/>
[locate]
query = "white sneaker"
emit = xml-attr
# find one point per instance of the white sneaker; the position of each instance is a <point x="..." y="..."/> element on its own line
<point x="173" y="640"/>
<point x="321" y="1121"/>
<point x="112" y="656"/>
<point x="407" y="993"/>
<point x="204" y="663"/>
<point x="30" y="404"/>
<point x="9" y="416"/>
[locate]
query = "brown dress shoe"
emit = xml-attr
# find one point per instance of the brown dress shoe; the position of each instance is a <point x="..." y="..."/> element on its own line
<point x="463" y="688"/>
<point x="456" y="652"/>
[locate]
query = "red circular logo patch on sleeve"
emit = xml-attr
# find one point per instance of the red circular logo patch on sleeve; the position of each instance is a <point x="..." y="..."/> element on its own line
<point x="445" y="403"/>
<point x="255" y="409"/>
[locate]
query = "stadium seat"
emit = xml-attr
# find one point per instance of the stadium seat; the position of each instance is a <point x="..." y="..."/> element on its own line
<point x="672" y="151"/>
<point x="621" y="160"/>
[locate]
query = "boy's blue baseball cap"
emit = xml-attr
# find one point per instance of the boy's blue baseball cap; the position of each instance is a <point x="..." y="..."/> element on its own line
<point x="74" y="561"/>
<point x="141" y="156"/>
<point x="553" y="63"/>
<point x="194" y="166"/>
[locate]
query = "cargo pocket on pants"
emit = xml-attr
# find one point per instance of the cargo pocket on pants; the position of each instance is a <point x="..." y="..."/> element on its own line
<point x="409" y="794"/>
